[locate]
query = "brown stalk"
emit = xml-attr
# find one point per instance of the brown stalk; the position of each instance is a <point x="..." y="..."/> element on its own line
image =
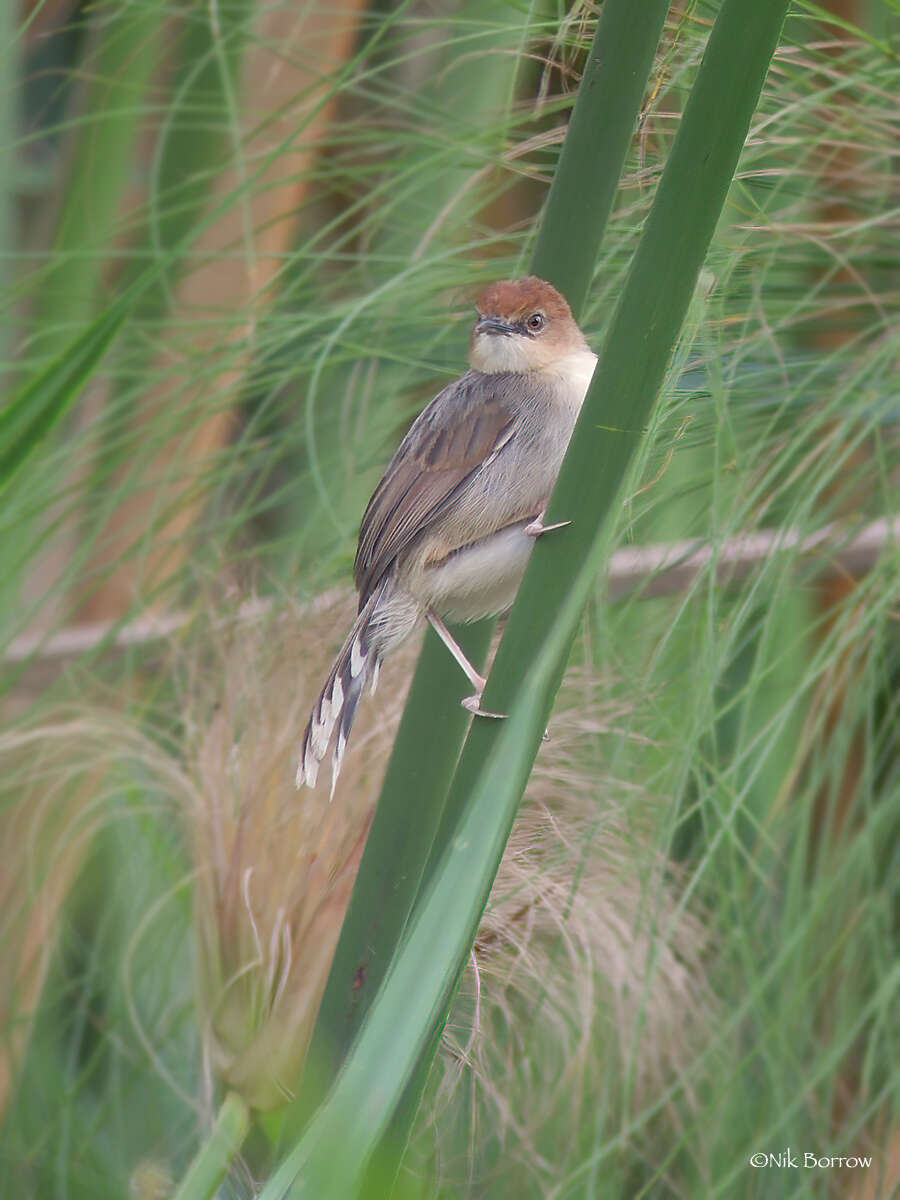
<point x="43" y="16"/>
<point x="836" y="594"/>
<point x="836" y="810"/>
<point x="237" y="260"/>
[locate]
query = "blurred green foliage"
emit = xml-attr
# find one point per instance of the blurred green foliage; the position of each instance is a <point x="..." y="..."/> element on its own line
<point x="746" y="763"/>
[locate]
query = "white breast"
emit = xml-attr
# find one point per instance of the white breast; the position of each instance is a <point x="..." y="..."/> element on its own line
<point x="479" y="580"/>
<point x="575" y="372"/>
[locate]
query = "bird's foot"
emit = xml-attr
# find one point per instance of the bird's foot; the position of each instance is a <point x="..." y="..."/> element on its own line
<point x="477" y="680"/>
<point x="473" y="705"/>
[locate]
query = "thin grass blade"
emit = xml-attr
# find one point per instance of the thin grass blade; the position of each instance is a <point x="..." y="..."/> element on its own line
<point x="208" y="1170"/>
<point x="32" y="415"/>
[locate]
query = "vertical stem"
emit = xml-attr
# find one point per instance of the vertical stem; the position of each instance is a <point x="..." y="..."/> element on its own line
<point x="216" y="1155"/>
<point x="427" y="745"/>
<point x="126" y="39"/>
<point x="586" y="179"/>
<point x="637" y="347"/>
<point x="9" y="95"/>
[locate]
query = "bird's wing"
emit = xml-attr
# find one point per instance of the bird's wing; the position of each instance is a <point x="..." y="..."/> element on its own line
<point x="447" y="445"/>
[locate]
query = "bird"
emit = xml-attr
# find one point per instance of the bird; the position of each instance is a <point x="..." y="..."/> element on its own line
<point x="449" y="529"/>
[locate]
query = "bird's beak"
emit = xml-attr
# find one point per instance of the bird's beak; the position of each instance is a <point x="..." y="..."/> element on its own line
<point x="493" y="325"/>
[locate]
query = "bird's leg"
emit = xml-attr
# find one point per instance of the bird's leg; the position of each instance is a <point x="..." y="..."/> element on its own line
<point x="477" y="681"/>
<point x="472" y="703"/>
<point x="537" y="526"/>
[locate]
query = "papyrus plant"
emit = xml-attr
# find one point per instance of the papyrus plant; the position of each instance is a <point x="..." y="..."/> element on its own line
<point x="274" y="870"/>
<point x="271" y="872"/>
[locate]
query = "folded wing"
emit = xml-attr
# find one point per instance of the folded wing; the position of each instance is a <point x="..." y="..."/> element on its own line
<point x="448" y="444"/>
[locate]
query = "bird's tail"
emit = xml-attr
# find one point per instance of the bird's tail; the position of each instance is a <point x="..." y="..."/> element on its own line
<point x="357" y="662"/>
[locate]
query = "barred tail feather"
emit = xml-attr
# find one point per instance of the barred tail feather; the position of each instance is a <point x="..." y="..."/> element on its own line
<point x="335" y="708"/>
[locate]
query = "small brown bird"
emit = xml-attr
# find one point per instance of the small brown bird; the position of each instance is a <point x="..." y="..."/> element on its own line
<point x="449" y="529"/>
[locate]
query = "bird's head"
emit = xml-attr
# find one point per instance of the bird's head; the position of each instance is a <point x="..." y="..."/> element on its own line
<point x="523" y="325"/>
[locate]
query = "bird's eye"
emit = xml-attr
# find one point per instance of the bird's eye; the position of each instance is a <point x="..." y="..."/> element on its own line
<point x="535" y="322"/>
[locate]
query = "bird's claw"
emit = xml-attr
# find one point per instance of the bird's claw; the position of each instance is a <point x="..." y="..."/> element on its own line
<point x="536" y="527"/>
